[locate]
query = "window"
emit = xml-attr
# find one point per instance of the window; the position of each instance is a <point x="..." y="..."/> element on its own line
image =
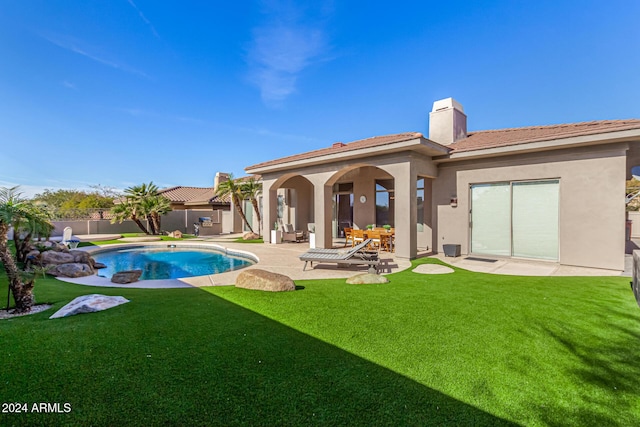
<point x="420" y="204"/>
<point x="516" y="219"/>
<point x="385" y="202"/>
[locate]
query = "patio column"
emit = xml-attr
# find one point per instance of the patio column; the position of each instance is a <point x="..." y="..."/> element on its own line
<point x="406" y="209"/>
<point x="323" y="214"/>
<point x="269" y="208"/>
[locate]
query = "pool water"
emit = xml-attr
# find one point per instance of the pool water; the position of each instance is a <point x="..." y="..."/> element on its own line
<point x="168" y="263"/>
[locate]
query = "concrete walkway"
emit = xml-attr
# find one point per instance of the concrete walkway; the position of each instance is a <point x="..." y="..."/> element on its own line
<point x="283" y="259"/>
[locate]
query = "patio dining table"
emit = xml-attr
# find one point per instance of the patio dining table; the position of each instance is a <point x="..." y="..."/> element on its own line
<point x="387" y="238"/>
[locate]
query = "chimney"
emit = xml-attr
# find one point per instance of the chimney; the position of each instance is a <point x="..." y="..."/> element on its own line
<point x="220" y="177"/>
<point x="447" y="122"/>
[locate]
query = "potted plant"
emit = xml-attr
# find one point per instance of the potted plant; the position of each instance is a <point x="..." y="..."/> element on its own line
<point x="386" y="227"/>
<point x="370" y="226"/>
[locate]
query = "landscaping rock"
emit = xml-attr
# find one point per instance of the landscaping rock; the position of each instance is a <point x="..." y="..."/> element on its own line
<point x="89" y="304"/>
<point x="98" y="265"/>
<point x="124" y="277"/>
<point x="54" y="257"/>
<point x="366" y="279"/>
<point x="73" y="269"/>
<point x="33" y="254"/>
<point x="433" y="269"/>
<point x="250" y="236"/>
<point x="262" y="280"/>
<point x="81" y="257"/>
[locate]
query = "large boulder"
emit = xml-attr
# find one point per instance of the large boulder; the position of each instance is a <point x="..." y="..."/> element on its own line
<point x="72" y="269"/>
<point x="54" y="257"/>
<point x="81" y="257"/>
<point x="366" y="279"/>
<point x="89" y="304"/>
<point x="124" y="277"/>
<point x="250" y="236"/>
<point x="262" y="280"/>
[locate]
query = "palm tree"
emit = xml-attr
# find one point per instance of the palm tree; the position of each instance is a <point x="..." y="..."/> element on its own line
<point x="16" y="211"/>
<point x="142" y="202"/>
<point x="232" y="189"/>
<point x="37" y="223"/>
<point x="251" y="189"/>
<point x="126" y="209"/>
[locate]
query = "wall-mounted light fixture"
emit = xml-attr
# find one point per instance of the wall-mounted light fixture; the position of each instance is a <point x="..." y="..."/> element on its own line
<point x="454" y="201"/>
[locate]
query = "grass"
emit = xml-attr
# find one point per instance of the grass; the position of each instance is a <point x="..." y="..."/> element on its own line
<point x="114" y="241"/>
<point x="461" y="349"/>
<point x="240" y="240"/>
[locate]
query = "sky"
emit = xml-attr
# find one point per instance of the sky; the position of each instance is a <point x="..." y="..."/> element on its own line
<point x="125" y="92"/>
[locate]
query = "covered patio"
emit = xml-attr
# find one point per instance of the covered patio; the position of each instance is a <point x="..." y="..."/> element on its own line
<point x="383" y="181"/>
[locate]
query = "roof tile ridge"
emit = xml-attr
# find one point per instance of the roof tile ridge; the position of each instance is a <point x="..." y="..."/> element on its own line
<point x="557" y="125"/>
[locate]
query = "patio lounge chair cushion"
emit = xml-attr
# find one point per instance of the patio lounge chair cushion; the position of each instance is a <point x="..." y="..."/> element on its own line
<point x="355" y="256"/>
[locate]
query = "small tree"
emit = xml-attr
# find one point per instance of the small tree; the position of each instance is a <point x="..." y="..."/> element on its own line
<point x="232" y="189"/>
<point x="15" y="210"/>
<point x="251" y="189"/>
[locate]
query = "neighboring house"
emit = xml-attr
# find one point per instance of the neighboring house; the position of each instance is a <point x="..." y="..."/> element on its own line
<point x="543" y="192"/>
<point x="191" y="204"/>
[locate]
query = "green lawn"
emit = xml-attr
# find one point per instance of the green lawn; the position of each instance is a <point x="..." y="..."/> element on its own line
<point x="114" y="241"/>
<point x="459" y="349"/>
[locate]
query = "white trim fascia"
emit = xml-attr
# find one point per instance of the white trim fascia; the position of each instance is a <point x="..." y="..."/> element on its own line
<point x="553" y="144"/>
<point x="415" y="144"/>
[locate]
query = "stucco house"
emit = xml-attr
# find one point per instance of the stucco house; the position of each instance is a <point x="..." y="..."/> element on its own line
<point x="553" y="193"/>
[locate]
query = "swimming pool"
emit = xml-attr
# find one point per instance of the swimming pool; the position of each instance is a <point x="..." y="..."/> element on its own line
<point x="168" y="262"/>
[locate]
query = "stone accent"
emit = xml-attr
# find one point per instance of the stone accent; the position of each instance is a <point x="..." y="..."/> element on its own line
<point x="72" y="269"/>
<point x="53" y="257"/>
<point x="262" y="280"/>
<point x="433" y="269"/>
<point x="89" y="304"/>
<point x="367" y="279"/>
<point x="124" y="277"/>
<point x="250" y="236"/>
<point x="58" y="260"/>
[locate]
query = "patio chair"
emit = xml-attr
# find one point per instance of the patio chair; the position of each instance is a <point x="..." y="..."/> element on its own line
<point x="290" y="234"/>
<point x="357" y="236"/>
<point x="67" y="235"/>
<point x="358" y="255"/>
<point x="348" y="236"/>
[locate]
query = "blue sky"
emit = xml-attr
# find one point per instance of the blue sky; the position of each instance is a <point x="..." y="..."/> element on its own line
<point x="123" y="92"/>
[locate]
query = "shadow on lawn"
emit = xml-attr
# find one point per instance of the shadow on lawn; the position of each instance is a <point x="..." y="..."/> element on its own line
<point x="608" y="364"/>
<point x="208" y="361"/>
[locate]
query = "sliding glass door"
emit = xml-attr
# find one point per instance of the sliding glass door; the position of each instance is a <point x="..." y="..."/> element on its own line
<point x="517" y="219"/>
<point x="491" y="219"/>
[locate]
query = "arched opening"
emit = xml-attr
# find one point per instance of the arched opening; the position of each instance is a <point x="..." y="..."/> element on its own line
<point x="363" y="196"/>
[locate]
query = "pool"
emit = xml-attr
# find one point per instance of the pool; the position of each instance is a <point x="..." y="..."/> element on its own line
<point x="168" y="262"/>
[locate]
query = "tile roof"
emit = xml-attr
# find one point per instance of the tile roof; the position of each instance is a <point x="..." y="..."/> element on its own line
<point x="193" y="195"/>
<point x="341" y="148"/>
<point x="514" y="136"/>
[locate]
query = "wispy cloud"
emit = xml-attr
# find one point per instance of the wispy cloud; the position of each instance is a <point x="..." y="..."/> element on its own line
<point x="139" y="112"/>
<point x="144" y="18"/>
<point x="69" y="85"/>
<point x="288" y="42"/>
<point x="81" y="48"/>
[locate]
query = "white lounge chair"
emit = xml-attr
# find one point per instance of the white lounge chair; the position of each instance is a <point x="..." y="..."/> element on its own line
<point x="358" y="255"/>
<point x="67" y="233"/>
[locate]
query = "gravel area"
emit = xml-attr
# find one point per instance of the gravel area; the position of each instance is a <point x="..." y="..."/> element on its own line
<point x="8" y="314"/>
